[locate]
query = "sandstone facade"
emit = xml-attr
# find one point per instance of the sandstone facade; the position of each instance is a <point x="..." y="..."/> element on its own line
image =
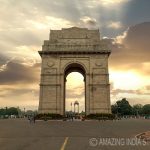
<point x="74" y="49"/>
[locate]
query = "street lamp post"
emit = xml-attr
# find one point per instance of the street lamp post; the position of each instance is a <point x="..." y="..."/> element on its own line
<point x="24" y="111"/>
<point x="71" y="106"/>
<point x="117" y="111"/>
<point x="137" y="114"/>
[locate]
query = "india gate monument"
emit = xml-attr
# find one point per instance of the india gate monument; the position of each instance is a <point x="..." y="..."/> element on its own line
<point x="74" y="50"/>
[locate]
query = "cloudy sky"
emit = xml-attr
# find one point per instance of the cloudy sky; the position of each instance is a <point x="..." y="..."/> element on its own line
<point x="24" y="24"/>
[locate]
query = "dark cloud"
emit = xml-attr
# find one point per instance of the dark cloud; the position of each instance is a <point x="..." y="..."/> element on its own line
<point x="14" y="72"/>
<point x="134" y="49"/>
<point x="137" y="38"/>
<point x="3" y="59"/>
<point x="137" y="11"/>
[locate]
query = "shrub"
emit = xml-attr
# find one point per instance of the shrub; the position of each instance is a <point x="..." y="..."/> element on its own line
<point x="101" y="116"/>
<point x="48" y="116"/>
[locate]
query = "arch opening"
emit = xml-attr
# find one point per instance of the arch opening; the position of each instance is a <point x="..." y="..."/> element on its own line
<point x="74" y="91"/>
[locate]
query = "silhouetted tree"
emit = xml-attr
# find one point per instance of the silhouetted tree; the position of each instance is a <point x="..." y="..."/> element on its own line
<point x="137" y="109"/>
<point x="146" y="109"/>
<point x="12" y="111"/>
<point x="114" y="108"/>
<point x="122" y="107"/>
<point x="9" y="111"/>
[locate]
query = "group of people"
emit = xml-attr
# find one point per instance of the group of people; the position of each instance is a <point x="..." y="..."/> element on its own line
<point x="31" y="119"/>
<point x="70" y="117"/>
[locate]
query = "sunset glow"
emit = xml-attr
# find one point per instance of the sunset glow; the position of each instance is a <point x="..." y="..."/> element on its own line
<point x="24" y="27"/>
<point x="75" y="91"/>
<point x="110" y="2"/>
<point x="126" y="80"/>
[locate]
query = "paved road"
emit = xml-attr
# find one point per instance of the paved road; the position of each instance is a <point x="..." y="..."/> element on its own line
<point x="19" y="134"/>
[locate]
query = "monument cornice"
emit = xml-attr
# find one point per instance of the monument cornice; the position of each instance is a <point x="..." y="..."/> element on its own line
<point x="74" y="52"/>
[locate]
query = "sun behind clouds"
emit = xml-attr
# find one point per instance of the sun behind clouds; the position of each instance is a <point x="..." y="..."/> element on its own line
<point x="125" y="80"/>
<point x="109" y="2"/>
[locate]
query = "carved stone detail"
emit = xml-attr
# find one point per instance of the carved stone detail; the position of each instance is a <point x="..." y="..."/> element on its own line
<point x="50" y="64"/>
<point x="98" y="63"/>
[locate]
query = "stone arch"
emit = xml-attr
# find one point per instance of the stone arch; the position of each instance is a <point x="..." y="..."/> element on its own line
<point x="77" y="64"/>
<point x="74" y="67"/>
<point x="70" y="50"/>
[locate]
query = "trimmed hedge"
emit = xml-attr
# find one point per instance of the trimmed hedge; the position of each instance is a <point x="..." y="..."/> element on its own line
<point x="48" y="116"/>
<point x="96" y="116"/>
<point x="101" y="116"/>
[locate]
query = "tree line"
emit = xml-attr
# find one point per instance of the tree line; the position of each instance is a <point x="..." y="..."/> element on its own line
<point x="9" y="111"/>
<point x="15" y="111"/>
<point x="122" y="108"/>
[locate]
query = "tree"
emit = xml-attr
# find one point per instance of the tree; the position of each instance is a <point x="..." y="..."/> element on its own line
<point x="2" y="111"/>
<point x="8" y="111"/>
<point x="114" y="108"/>
<point x="137" y="109"/>
<point x="146" y="109"/>
<point x="122" y="107"/>
<point x="12" y="111"/>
